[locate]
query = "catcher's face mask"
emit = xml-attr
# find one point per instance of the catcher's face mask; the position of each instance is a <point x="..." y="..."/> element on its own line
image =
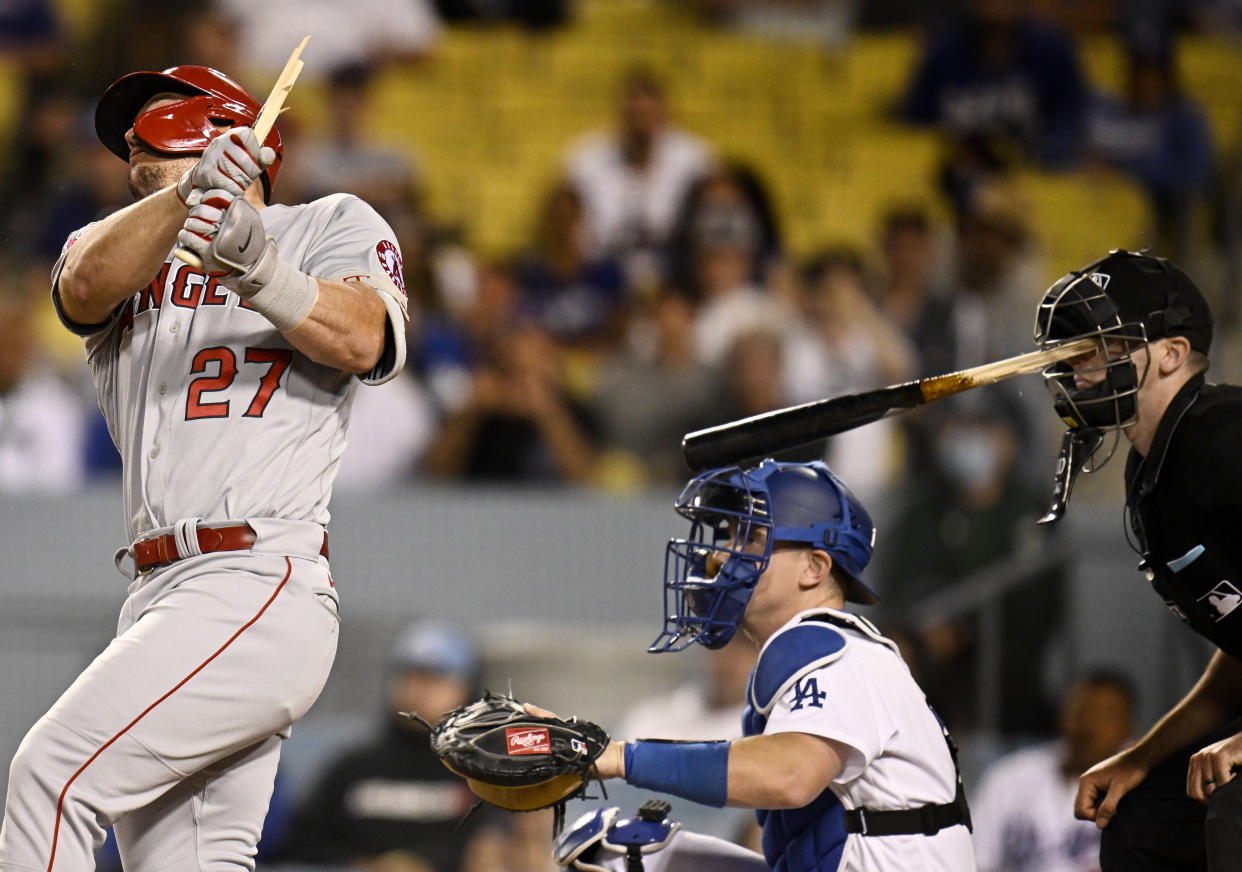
<point x="736" y="517"/>
<point x="709" y="575"/>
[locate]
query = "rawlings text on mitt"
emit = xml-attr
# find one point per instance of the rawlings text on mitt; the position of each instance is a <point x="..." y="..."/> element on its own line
<point x="516" y="760"/>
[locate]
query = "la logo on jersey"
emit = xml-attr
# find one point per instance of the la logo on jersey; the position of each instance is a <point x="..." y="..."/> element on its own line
<point x="527" y="740"/>
<point x="1221" y="600"/>
<point x="807" y="692"/>
<point x="1100" y="279"/>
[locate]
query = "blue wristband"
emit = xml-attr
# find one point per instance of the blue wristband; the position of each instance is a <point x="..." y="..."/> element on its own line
<point x="698" y="771"/>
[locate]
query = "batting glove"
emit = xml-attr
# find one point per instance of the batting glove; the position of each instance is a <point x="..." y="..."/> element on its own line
<point x="229" y="237"/>
<point x="230" y="163"/>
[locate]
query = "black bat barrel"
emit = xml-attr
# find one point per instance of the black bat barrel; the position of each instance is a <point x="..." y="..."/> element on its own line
<point x="761" y="435"/>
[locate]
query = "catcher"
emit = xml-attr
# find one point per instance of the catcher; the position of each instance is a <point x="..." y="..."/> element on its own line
<point x="844" y="761"/>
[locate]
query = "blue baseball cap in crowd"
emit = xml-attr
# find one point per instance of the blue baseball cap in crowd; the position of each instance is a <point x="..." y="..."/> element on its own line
<point x="436" y="647"/>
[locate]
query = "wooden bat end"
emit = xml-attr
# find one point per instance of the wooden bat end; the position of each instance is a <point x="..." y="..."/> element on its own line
<point x="188" y="257"/>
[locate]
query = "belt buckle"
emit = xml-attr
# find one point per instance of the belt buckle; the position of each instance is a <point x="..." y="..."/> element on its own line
<point x="862" y="820"/>
<point x="150" y="567"/>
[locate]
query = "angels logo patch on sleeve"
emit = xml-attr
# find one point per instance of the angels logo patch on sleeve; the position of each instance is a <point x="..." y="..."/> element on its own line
<point x="390" y="260"/>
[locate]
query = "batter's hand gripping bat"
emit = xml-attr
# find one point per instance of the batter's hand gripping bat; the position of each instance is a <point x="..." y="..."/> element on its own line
<point x="263" y="124"/>
<point x="770" y="432"/>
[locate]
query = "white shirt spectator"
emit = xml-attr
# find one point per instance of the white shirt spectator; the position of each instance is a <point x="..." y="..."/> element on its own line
<point x="42" y="436"/>
<point x="390" y="427"/>
<point x="1024" y="819"/>
<point x="627" y="208"/>
<point x="723" y="318"/>
<point x="342" y="33"/>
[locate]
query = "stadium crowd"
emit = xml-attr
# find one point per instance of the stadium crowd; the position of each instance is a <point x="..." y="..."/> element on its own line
<point x="656" y="292"/>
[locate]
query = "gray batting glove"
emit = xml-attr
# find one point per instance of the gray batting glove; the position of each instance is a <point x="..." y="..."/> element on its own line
<point x="230" y="163"/>
<point x="229" y="238"/>
<point x="228" y="235"/>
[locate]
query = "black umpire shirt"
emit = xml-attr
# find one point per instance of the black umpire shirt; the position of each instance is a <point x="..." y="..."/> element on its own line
<point x="1184" y="506"/>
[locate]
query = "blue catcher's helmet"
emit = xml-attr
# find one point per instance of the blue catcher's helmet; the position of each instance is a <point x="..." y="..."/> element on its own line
<point x="795" y="502"/>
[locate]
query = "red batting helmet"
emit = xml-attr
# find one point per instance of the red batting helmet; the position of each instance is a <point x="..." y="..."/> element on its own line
<point x="184" y="127"/>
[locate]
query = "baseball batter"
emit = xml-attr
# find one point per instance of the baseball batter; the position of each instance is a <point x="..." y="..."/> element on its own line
<point x="227" y="392"/>
<point x="846" y="763"/>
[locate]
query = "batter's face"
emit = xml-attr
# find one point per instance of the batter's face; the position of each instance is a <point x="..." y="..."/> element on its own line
<point x="151" y="171"/>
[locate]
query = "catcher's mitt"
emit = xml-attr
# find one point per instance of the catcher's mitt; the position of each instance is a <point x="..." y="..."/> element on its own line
<point x="516" y="760"/>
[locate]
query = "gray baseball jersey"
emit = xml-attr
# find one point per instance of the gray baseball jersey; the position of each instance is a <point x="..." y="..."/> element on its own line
<point x="172" y="734"/>
<point x="218" y="377"/>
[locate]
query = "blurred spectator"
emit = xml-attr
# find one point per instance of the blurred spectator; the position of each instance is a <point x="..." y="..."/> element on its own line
<point x="753" y="383"/>
<point x="42" y="420"/>
<point x="1157" y="136"/>
<point x="843" y="344"/>
<point x="651" y="391"/>
<point x="390" y="429"/>
<point x="157" y="34"/>
<point x="578" y="298"/>
<point x="828" y="23"/>
<point x="725" y="247"/>
<point x="998" y="71"/>
<point x="910" y="292"/>
<point x="474" y="307"/>
<point x="731" y="195"/>
<point x="367" y="32"/>
<point x="707" y="707"/>
<point x="1023" y="807"/>
<point x="994" y="263"/>
<point x="971" y="509"/>
<point x="633" y="179"/>
<point x="518" y="423"/>
<point x="519" y="842"/>
<point x="534" y="14"/>
<point x="32" y="36"/>
<point x="78" y="184"/>
<point x="341" y="156"/>
<point x="42" y="154"/>
<point x="390" y="803"/>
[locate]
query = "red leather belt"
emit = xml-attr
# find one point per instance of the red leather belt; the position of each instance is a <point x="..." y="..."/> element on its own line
<point x="151" y="554"/>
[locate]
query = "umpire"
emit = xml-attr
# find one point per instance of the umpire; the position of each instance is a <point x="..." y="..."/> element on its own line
<point x="1169" y="802"/>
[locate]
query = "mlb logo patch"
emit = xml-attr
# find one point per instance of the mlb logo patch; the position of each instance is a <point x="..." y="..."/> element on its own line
<point x="527" y="740"/>
<point x="1221" y="600"/>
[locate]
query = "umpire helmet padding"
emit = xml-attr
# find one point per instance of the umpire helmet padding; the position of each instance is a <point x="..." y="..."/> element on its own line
<point x="184" y="127"/>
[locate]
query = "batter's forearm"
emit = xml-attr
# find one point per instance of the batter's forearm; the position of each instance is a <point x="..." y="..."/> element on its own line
<point x="119" y="256"/>
<point x="345" y="328"/>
